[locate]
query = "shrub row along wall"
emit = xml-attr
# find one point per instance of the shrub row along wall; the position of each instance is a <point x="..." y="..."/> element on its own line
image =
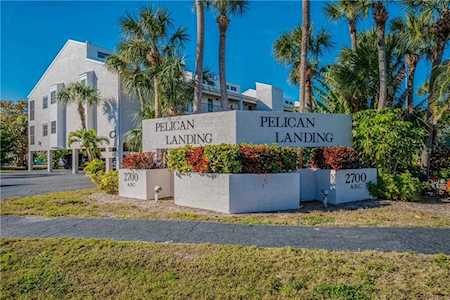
<point x="226" y="158"/>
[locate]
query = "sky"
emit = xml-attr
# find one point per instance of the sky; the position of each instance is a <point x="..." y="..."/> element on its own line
<point x="32" y="33"/>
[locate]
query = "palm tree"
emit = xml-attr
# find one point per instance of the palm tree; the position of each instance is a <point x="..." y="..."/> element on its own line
<point x="304" y="53"/>
<point x="133" y="139"/>
<point x="352" y="11"/>
<point x="413" y="44"/>
<point x="438" y="34"/>
<point x="176" y="90"/>
<point x="200" y="11"/>
<point x="380" y="16"/>
<point x="134" y="76"/>
<point x="354" y="80"/>
<point x="148" y="39"/>
<point x="81" y="95"/>
<point x="224" y="9"/>
<point x="89" y="141"/>
<point x="287" y="50"/>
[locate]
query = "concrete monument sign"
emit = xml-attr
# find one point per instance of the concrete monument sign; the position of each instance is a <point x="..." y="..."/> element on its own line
<point x="345" y="185"/>
<point x="141" y="183"/>
<point x="238" y="193"/>
<point x="254" y="127"/>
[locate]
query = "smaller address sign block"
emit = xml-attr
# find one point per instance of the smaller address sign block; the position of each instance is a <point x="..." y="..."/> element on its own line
<point x="252" y="127"/>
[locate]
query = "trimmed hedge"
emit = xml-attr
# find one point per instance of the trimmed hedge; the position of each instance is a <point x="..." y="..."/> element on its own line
<point x="336" y="158"/>
<point x="143" y="160"/>
<point x="226" y="158"/>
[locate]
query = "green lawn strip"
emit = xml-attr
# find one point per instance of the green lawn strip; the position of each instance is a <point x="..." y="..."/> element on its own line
<point x="80" y="268"/>
<point x="78" y="204"/>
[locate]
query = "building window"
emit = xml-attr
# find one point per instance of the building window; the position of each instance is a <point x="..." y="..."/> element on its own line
<point x="31" y="135"/>
<point x="31" y="110"/>
<point x="45" y="129"/>
<point x="233" y="88"/>
<point x="102" y="55"/>
<point x="45" y="102"/>
<point x="210" y="105"/>
<point x="53" y="97"/>
<point x="53" y="127"/>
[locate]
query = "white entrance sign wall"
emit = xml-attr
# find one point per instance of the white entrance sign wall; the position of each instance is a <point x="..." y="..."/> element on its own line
<point x="140" y="183"/>
<point x="252" y="127"/>
<point x="237" y="193"/>
<point x="346" y="185"/>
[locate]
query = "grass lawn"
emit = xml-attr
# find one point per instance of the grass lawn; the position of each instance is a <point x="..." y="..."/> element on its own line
<point x="89" y="203"/>
<point x="70" y="268"/>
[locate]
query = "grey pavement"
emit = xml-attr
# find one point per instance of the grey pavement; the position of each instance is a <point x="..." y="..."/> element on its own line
<point x="23" y="183"/>
<point x="420" y="240"/>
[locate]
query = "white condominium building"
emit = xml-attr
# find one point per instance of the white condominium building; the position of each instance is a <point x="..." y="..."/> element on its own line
<point x="50" y="121"/>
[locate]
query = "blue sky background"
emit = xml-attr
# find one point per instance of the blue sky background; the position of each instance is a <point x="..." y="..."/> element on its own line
<point x="32" y="33"/>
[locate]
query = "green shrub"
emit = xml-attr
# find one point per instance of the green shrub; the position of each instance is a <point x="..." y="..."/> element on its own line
<point x="94" y="169"/>
<point x="233" y="159"/>
<point x="385" y="140"/>
<point x="223" y="158"/>
<point x="177" y="159"/>
<point x="404" y="187"/>
<point x="109" y="182"/>
<point x="58" y="155"/>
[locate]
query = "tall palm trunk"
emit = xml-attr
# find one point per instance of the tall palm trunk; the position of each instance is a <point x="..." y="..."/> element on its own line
<point x="308" y="89"/>
<point x="141" y="102"/>
<point x="223" y="25"/>
<point x="157" y="100"/>
<point x="82" y="114"/>
<point x="304" y="53"/>
<point x="411" y="61"/>
<point x="199" y="56"/>
<point x="352" y="29"/>
<point x="380" y="16"/>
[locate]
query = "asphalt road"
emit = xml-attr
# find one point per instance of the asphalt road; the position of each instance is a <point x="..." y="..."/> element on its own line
<point x="420" y="240"/>
<point x="23" y="183"/>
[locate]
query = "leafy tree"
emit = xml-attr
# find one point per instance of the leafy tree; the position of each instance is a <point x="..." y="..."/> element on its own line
<point x="352" y="11"/>
<point x="81" y="95"/>
<point x="147" y="42"/>
<point x="89" y="141"/>
<point x="224" y="9"/>
<point x="387" y="141"/>
<point x="6" y="143"/>
<point x="13" y="132"/>
<point x="287" y="50"/>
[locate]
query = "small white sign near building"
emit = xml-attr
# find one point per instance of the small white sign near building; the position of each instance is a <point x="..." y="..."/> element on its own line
<point x="253" y="127"/>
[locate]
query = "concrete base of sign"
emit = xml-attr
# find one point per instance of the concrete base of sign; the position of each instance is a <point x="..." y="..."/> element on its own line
<point x="140" y="183"/>
<point x="238" y="193"/>
<point x="344" y="185"/>
<point x="308" y="191"/>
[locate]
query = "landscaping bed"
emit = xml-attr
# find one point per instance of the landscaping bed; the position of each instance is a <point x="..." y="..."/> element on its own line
<point x="91" y="203"/>
<point x="130" y="270"/>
